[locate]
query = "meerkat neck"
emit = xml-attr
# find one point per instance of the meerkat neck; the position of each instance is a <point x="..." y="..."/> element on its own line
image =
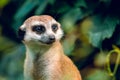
<point x="43" y="62"/>
<point x="37" y="49"/>
<point x="33" y="50"/>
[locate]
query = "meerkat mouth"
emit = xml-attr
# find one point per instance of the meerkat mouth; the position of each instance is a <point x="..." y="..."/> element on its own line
<point x="47" y="42"/>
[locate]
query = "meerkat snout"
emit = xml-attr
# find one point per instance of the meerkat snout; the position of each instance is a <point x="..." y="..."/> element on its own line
<point x="51" y="39"/>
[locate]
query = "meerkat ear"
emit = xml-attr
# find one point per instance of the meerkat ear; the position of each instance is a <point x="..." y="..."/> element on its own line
<point x="21" y="32"/>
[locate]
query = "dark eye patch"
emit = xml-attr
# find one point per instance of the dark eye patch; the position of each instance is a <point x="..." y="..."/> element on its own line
<point x="39" y="29"/>
<point x="54" y="27"/>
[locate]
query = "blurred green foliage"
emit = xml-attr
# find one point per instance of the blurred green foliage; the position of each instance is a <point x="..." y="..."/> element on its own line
<point x="91" y="27"/>
<point x="3" y="3"/>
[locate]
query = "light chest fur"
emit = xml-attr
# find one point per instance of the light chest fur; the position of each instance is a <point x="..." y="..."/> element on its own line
<point x="52" y="65"/>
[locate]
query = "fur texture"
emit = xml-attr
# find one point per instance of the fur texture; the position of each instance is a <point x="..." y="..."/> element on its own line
<point x="46" y="61"/>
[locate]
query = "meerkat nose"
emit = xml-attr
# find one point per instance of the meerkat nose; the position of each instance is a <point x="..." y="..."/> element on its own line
<point x="52" y="38"/>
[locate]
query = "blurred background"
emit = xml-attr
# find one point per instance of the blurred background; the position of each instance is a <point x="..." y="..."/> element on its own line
<point x="92" y="35"/>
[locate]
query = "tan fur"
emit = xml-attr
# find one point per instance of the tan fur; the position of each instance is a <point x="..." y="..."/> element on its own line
<point x="47" y="62"/>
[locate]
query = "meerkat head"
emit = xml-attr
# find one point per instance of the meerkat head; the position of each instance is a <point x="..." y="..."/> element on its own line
<point x="40" y="29"/>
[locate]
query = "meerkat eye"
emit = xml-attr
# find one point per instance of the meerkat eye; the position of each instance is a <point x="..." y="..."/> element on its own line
<point x="39" y="29"/>
<point x="54" y="27"/>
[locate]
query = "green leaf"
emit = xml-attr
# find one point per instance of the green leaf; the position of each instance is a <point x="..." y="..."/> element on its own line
<point x="98" y="75"/>
<point x="116" y="35"/>
<point x="70" y="18"/>
<point x="102" y="28"/>
<point x="57" y="8"/>
<point x="69" y="44"/>
<point x="81" y="3"/>
<point x="52" y="2"/>
<point x="12" y="62"/>
<point x="25" y="9"/>
<point x="17" y="24"/>
<point x="41" y="7"/>
<point x="3" y="3"/>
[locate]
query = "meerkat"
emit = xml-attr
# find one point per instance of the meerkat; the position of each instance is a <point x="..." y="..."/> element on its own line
<point x="45" y="59"/>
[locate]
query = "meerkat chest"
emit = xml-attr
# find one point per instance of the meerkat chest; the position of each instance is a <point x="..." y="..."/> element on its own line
<point x="43" y="67"/>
